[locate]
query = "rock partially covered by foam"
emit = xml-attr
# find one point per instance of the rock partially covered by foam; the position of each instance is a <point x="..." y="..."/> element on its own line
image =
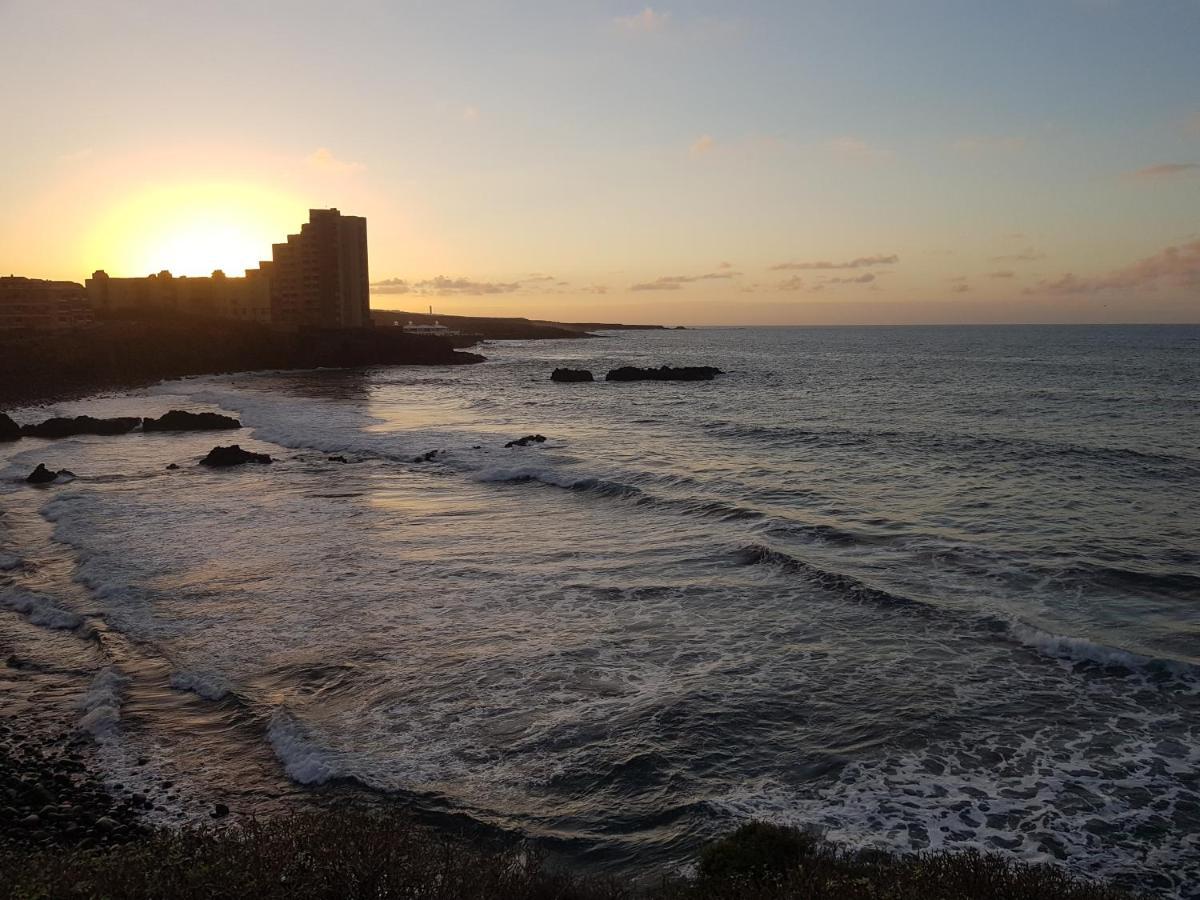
<point x="664" y="373"/>
<point x="181" y="420"/>
<point x="9" y="430"/>
<point x="527" y="440"/>
<point x="571" y="375"/>
<point x="219" y="457"/>
<point x="42" y="475"/>
<point x="59" y="427"/>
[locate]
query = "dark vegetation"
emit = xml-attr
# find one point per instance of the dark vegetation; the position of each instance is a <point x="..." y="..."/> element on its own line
<point x="121" y="354"/>
<point x="359" y="854"/>
<point x="664" y="373"/>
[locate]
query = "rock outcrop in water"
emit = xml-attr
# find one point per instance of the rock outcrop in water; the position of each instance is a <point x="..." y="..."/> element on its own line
<point x="42" y="475"/>
<point x="180" y="420"/>
<point x="60" y="427"/>
<point x="571" y="375"/>
<point x="527" y="440"/>
<point x="664" y="373"/>
<point x="220" y="457"/>
<point x="9" y="430"/>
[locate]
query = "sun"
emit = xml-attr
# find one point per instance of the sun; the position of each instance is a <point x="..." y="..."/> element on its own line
<point x="193" y="229"/>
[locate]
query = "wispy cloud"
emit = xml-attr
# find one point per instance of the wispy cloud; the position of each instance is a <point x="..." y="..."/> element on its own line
<point x="860" y="262"/>
<point x="442" y="285"/>
<point x="323" y="160"/>
<point x="864" y="278"/>
<point x="1029" y="254"/>
<point x="1164" y="170"/>
<point x="1003" y="273"/>
<point x="675" y="282"/>
<point x="702" y="145"/>
<point x="976" y="144"/>
<point x="960" y="288"/>
<point x="645" y="21"/>
<point x="855" y="149"/>
<point x="1174" y="267"/>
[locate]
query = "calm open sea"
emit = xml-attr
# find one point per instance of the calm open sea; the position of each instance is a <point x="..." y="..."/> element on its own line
<point x="924" y="587"/>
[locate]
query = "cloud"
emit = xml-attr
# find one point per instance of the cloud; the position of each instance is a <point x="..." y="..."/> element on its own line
<point x="596" y="289"/>
<point x="1165" y="169"/>
<point x="391" y="286"/>
<point x="1174" y="267"/>
<point x="646" y="21"/>
<point x="1003" y="273"/>
<point x="961" y="288"/>
<point x="725" y="265"/>
<point x="323" y="160"/>
<point x="702" y="145"/>
<point x="856" y="150"/>
<point x="674" y="282"/>
<point x="795" y="283"/>
<point x="1029" y="254"/>
<point x="864" y="278"/>
<point x="858" y="263"/>
<point x="443" y="285"/>
<point x="976" y="144"/>
<point x="538" y="276"/>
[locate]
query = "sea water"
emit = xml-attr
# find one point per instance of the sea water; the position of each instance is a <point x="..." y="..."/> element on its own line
<point x="922" y="588"/>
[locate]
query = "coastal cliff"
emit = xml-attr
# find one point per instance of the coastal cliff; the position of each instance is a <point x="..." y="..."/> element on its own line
<point x="124" y="354"/>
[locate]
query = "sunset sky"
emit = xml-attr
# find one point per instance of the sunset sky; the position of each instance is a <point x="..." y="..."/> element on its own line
<point x="813" y="161"/>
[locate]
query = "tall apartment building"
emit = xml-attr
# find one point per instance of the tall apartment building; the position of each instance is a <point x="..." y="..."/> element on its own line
<point x="316" y="279"/>
<point x="319" y="276"/>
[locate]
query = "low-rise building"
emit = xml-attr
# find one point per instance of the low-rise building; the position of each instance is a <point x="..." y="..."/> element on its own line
<point x="35" y="304"/>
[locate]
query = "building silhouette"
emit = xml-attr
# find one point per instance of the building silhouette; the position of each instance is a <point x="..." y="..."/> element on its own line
<point x="35" y="304"/>
<point x="316" y="279"/>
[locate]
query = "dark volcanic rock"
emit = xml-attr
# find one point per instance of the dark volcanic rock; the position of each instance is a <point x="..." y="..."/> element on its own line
<point x="9" y="430"/>
<point x="527" y="440"/>
<point x="232" y="456"/>
<point x="427" y="456"/>
<point x="571" y="375"/>
<point x="61" y="428"/>
<point x="664" y="373"/>
<point x="180" y="420"/>
<point x="42" y="475"/>
<point x="340" y="459"/>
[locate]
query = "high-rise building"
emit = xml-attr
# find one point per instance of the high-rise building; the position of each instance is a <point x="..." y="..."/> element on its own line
<point x="319" y="276"/>
<point x="316" y="279"/>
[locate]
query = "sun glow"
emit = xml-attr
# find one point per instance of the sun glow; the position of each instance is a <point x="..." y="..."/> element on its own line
<point x="194" y="229"/>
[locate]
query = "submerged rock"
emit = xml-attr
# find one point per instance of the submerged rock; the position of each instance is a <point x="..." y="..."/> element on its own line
<point x="9" y="430"/>
<point x="180" y="420"/>
<point x="232" y="456"/>
<point x="42" y="475"/>
<point x="664" y="373"/>
<point x="527" y="440"/>
<point x="59" y="427"/>
<point x="427" y="456"/>
<point x="571" y="375"/>
<point x="338" y="459"/>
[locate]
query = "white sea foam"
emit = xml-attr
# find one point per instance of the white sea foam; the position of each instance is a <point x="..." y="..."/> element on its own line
<point x="40" y="609"/>
<point x="303" y="761"/>
<point x="101" y="705"/>
<point x="206" y="685"/>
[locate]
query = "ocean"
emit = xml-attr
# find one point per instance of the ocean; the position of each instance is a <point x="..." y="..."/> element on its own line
<point x="922" y="588"/>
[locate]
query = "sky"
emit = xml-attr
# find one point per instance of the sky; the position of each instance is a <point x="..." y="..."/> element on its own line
<point x="802" y="162"/>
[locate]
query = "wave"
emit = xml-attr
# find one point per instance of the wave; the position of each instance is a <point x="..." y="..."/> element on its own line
<point x="846" y="586"/>
<point x="1165" y="465"/>
<point x="101" y="705"/>
<point x="40" y="610"/>
<point x="1083" y="650"/>
<point x="304" y="762"/>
